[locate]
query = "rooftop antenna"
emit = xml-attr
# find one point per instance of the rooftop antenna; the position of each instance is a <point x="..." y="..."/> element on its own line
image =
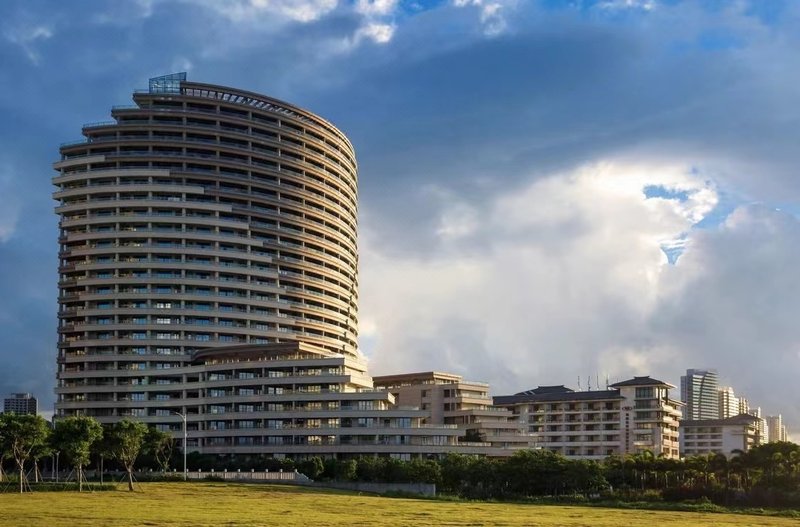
<point x="606" y="381"/>
<point x="589" y="383"/>
<point x="579" y="383"/>
<point x="597" y="379"/>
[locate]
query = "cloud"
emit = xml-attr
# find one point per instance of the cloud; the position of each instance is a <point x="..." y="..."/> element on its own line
<point x="573" y="254"/>
<point x="258" y="12"/>
<point x="645" y="5"/>
<point x="376" y="7"/>
<point x="565" y="277"/>
<point x="182" y="64"/>
<point x="492" y="15"/>
<point x="378" y="33"/>
<point x="26" y="37"/>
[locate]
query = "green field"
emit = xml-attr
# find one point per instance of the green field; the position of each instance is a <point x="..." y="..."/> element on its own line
<point x="219" y="504"/>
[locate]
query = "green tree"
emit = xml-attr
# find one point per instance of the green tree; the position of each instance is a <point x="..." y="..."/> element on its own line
<point x="74" y="436"/>
<point x="424" y="471"/>
<point x="159" y="444"/>
<point x="126" y="440"/>
<point x="3" y="450"/>
<point x="312" y="467"/>
<point x="340" y="470"/>
<point x="21" y="436"/>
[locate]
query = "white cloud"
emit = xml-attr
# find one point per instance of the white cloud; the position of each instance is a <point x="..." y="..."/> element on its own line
<point x="255" y="12"/>
<point x="26" y="37"/>
<point x="376" y="32"/>
<point x="492" y="14"/>
<point x="182" y="64"/>
<point x="646" y="5"/>
<point x="565" y="277"/>
<point x="575" y="255"/>
<point x="376" y="7"/>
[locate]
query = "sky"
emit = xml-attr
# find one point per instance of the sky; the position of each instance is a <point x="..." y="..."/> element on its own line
<point x="549" y="190"/>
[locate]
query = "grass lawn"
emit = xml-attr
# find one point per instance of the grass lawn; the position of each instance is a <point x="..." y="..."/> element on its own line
<point x="221" y="504"/>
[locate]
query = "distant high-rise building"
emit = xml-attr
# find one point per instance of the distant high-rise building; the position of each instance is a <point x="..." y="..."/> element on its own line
<point x="776" y="428"/>
<point x="699" y="393"/>
<point x="744" y="405"/>
<point x="763" y="431"/>
<point x="21" y="403"/>
<point x="729" y="404"/>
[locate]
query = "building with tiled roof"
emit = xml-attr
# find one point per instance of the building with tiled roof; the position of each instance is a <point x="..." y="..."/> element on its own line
<point x="628" y="417"/>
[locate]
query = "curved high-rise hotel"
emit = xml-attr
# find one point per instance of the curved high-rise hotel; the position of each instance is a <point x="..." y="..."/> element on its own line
<point x="206" y="216"/>
<point x="209" y="267"/>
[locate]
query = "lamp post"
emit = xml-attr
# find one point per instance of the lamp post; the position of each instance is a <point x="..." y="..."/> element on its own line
<point x="183" y="416"/>
<point x="57" y="454"/>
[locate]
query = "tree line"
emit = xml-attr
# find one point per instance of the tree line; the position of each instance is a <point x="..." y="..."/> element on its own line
<point x="28" y="439"/>
<point x="766" y="475"/>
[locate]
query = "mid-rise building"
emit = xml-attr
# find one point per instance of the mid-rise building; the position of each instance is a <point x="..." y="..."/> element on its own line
<point x="21" y="403"/>
<point x="699" y="394"/>
<point x="465" y="405"/>
<point x="209" y="268"/>
<point x="631" y="416"/>
<point x="727" y="436"/>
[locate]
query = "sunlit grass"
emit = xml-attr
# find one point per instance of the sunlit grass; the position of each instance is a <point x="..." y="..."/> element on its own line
<point x="220" y="504"/>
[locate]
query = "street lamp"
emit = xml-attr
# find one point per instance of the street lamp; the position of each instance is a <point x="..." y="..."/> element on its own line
<point x="57" y="454"/>
<point x="183" y="416"/>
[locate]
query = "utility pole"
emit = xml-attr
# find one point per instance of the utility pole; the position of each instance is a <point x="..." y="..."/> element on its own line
<point x="183" y="416"/>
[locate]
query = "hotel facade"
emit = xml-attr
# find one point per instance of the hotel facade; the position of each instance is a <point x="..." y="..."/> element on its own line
<point x="728" y="436"/>
<point x="467" y="405"/>
<point x="208" y="268"/>
<point x="630" y="417"/>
